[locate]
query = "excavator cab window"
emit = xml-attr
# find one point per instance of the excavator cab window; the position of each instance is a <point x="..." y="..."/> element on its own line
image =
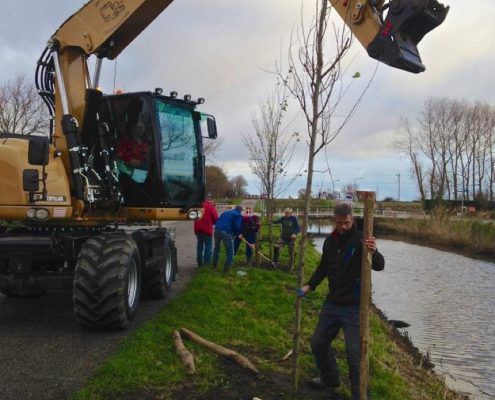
<point x="178" y="151"/>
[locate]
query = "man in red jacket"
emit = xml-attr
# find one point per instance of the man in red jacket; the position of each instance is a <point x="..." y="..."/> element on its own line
<point x="203" y="229"/>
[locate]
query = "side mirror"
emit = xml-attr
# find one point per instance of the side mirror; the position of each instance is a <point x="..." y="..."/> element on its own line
<point x="38" y="151"/>
<point x="212" y="127"/>
<point x="30" y="180"/>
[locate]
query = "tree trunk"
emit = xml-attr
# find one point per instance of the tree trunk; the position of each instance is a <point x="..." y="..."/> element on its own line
<point x="184" y="354"/>
<point x="222" y="351"/>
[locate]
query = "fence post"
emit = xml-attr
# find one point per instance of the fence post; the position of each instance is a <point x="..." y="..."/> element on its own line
<point x="364" y="326"/>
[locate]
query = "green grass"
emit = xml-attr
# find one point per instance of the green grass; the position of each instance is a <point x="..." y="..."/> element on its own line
<point x="254" y="316"/>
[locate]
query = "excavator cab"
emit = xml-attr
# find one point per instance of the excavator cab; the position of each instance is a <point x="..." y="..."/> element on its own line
<point x="155" y="147"/>
<point x="393" y="39"/>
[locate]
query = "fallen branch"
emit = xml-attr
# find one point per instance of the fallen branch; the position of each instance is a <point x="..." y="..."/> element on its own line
<point x="223" y="351"/>
<point x="288" y="355"/>
<point x="184" y="354"/>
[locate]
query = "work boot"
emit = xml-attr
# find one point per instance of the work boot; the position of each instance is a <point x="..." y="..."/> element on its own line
<point x="320" y="384"/>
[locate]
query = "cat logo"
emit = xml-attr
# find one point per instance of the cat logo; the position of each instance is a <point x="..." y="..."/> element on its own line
<point x="111" y="10"/>
<point x="56" y="199"/>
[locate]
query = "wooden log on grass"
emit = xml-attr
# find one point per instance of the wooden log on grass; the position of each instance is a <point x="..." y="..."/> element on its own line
<point x="222" y="351"/>
<point x="184" y="354"/>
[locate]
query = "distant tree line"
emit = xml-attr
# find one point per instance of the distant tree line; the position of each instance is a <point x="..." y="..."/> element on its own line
<point x="220" y="186"/>
<point x="21" y="108"/>
<point x="451" y="148"/>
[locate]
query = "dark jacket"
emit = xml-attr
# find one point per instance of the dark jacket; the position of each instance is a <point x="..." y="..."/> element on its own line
<point x="204" y="225"/>
<point x="341" y="264"/>
<point x="230" y="222"/>
<point x="250" y="224"/>
<point x="290" y="226"/>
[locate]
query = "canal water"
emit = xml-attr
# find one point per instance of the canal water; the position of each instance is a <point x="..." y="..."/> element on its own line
<point x="448" y="300"/>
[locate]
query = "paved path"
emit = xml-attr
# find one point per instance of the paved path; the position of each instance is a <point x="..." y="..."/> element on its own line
<point x="45" y="355"/>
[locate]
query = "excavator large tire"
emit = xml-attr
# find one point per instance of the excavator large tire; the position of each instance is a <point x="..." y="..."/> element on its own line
<point x="107" y="282"/>
<point x="158" y="279"/>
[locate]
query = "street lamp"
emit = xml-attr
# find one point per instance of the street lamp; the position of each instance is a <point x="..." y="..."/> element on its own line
<point x="398" y="186"/>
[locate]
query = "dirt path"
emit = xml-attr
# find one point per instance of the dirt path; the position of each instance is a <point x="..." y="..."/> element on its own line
<point x="45" y="355"/>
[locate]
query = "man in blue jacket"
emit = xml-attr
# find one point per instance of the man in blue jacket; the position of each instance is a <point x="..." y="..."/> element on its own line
<point x="227" y="227"/>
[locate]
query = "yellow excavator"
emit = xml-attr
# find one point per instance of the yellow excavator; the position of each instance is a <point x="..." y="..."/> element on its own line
<point x="110" y="163"/>
<point x="81" y="201"/>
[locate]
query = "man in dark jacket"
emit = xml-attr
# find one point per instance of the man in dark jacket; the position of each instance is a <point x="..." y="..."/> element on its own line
<point x="290" y="229"/>
<point x="249" y="231"/>
<point x="227" y="227"/>
<point x="341" y="264"/>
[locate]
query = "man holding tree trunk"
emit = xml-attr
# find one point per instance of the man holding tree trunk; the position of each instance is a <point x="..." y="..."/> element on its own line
<point x="341" y="264"/>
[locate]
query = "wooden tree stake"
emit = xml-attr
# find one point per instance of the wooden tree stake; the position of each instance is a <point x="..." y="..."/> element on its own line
<point x="184" y="354"/>
<point x="222" y="351"/>
<point x="369" y="201"/>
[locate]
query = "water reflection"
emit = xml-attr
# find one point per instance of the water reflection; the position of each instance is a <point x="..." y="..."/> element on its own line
<point x="448" y="301"/>
<point x="318" y="227"/>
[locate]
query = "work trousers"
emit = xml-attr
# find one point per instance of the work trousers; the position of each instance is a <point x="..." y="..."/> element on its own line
<point x="225" y="238"/>
<point x="332" y="318"/>
<point x="291" y="244"/>
<point x="203" y="248"/>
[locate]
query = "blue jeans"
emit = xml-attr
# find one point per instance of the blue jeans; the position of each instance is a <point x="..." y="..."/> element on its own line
<point x="333" y="317"/>
<point x="203" y="248"/>
<point x="226" y="238"/>
<point x="251" y="238"/>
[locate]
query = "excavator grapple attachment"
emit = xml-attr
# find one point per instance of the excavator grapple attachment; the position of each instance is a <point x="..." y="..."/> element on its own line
<point x="405" y="25"/>
<point x="392" y="39"/>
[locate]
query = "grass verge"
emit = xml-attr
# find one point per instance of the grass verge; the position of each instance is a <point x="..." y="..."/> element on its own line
<point x="253" y="315"/>
<point x="470" y="237"/>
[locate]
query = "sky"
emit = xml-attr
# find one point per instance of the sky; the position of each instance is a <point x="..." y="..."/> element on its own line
<point x="225" y="52"/>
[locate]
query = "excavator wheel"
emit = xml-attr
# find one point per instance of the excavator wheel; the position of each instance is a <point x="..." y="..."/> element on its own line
<point x="158" y="279"/>
<point x="107" y="282"/>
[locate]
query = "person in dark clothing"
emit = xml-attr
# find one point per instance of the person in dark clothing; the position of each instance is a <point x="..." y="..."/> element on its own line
<point x="341" y="264"/>
<point x="133" y="159"/>
<point x="249" y="231"/>
<point x="290" y="229"/>
<point x="227" y="227"/>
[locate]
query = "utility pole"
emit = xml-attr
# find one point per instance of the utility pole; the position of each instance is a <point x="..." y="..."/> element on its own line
<point x="398" y="186"/>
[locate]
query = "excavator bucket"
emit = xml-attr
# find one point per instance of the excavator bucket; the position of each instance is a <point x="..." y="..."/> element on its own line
<point x="406" y="24"/>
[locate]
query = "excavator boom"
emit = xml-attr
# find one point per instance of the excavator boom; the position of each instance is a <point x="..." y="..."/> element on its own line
<point x="392" y="40"/>
<point x="105" y="28"/>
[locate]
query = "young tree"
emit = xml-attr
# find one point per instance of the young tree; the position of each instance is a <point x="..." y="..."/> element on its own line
<point x="21" y="108"/>
<point x="271" y="147"/>
<point x="316" y="83"/>
<point x="406" y="141"/>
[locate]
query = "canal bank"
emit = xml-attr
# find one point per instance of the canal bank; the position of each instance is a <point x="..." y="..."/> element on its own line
<point x="251" y="311"/>
<point x="446" y="301"/>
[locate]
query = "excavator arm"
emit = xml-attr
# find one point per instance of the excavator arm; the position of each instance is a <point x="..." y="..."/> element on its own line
<point x="105" y="28"/>
<point x="392" y="39"/>
<point x="102" y="28"/>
